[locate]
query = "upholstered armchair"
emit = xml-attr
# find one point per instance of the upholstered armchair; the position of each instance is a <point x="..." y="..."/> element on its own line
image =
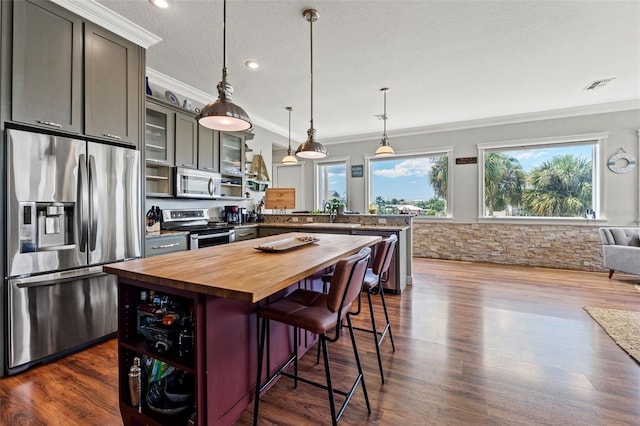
<point x="621" y="249"/>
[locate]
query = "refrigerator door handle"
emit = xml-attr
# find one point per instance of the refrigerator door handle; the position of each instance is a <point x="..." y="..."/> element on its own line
<point x="57" y="277"/>
<point x="83" y="202"/>
<point x="93" y="194"/>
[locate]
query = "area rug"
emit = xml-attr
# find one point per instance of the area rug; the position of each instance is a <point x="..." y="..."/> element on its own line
<point x="622" y="326"/>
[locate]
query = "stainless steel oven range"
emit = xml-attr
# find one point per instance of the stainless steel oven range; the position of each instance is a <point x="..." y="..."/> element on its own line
<point x="202" y="231"/>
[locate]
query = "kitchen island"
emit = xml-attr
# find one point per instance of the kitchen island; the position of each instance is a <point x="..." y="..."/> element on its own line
<point x="222" y="286"/>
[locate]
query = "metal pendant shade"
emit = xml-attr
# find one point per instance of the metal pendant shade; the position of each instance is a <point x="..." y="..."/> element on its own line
<point x="289" y="159"/>
<point x="222" y="114"/>
<point x="384" y="150"/>
<point x="311" y="148"/>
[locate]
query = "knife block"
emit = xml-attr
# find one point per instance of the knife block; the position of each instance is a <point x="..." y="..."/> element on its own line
<point x="153" y="230"/>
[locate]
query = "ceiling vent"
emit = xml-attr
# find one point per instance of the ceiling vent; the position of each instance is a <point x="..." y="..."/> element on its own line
<point x="598" y="84"/>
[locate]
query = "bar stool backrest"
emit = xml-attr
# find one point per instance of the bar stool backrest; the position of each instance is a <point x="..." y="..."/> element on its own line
<point x="384" y="253"/>
<point x="346" y="282"/>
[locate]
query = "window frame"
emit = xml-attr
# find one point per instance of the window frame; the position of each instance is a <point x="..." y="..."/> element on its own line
<point x="316" y="178"/>
<point x="433" y="152"/>
<point x="600" y="142"/>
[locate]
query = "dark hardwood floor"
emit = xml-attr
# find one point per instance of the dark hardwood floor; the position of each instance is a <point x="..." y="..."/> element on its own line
<point x="477" y="344"/>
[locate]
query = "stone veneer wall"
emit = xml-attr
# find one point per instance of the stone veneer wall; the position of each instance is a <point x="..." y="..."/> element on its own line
<point x="552" y="246"/>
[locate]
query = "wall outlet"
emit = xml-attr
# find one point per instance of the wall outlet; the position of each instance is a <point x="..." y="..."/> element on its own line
<point x="309" y="219"/>
<point x="382" y="220"/>
<point x="294" y="219"/>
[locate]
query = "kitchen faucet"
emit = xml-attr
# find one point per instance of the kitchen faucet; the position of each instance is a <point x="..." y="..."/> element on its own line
<point x="332" y="212"/>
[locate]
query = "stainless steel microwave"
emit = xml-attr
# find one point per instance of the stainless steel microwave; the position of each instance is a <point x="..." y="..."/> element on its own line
<point x="192" y="183"/>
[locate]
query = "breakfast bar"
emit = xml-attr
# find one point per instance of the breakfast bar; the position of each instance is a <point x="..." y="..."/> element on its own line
<point x="222" y="286"/>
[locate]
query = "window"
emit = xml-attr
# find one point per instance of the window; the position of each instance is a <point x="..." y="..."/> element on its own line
<point x="331" y="182"/>
<point x="415" y="183"/>
<point x="550" y="178"/>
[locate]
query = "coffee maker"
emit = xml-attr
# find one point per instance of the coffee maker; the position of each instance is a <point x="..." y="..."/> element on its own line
<point x="232" y="215"/>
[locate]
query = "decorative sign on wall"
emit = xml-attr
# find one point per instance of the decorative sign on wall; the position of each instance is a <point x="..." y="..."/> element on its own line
<point x="467" y="160"/>
<point x="621" y="162"/>
<point x="357" y="171"/>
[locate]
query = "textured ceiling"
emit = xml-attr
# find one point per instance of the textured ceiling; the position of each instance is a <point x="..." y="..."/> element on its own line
<point x="444" y="61"/>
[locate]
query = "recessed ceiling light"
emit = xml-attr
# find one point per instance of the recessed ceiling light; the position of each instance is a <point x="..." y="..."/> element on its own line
<point x="162" y="4"/>
<point x="252" y="65"/>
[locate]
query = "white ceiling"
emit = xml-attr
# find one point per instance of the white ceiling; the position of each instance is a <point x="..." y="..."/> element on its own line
<point x="444" y="61"/>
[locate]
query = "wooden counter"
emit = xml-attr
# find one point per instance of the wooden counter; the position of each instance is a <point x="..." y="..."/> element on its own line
<point x="223" y="286"/>
<point x="238" y="271"/>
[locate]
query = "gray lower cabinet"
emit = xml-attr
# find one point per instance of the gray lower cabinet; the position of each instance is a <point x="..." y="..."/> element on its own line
<point x="247" y="233"/>
<point x="186" y="141"/>
<point x="112" y="86"/>
<point x="46" y="66"/>
<point x="268" y="231"/>
<point x="398" y="269"/>
<point x="165" y="244"/>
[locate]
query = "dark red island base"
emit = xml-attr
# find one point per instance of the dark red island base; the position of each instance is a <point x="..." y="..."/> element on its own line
<point x="216" y="290"/>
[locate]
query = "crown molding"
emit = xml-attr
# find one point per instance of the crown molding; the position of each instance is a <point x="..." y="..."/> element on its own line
<point x="197" y="95"/>
<point x="106" y="18"/>
<point x="627" y="105"/>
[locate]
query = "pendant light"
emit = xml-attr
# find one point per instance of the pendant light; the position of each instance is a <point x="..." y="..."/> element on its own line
<point x="289" y="159"/>
<point x="222" y="114"/>
<point x="311" y="148"/>
<point x="384" y="150"/>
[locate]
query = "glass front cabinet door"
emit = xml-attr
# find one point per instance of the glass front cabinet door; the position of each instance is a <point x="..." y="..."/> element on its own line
<point x="159" y="134"/>
<point x="231" y="164"/>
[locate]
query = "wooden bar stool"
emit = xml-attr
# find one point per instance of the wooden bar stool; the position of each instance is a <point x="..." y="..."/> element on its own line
<point x="318" y="313"/>
<point x="375" y="277"/>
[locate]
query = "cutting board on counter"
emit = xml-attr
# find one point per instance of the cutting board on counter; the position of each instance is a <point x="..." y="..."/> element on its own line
<point x="280" y="198"/>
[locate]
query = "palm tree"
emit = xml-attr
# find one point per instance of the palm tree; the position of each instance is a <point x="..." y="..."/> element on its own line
<point x="438" y="177"/>
<point x="504" y="181"/>
<point x="560" y="187"/>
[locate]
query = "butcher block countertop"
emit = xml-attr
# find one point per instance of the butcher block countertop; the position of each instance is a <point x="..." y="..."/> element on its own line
<point x="238" y="271"/>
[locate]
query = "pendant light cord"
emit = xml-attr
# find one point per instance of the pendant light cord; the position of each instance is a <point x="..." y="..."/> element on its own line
<point x="385" y="113"/>
<point x="224" y="39"/>
<point x="289" y="150"/>
<point x="311" y="45"/>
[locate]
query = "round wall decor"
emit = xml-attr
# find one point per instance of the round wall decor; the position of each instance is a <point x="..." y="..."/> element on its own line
<point x="628" y="162"/>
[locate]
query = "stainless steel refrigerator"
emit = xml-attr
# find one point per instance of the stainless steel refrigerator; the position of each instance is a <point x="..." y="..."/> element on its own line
<point x="72" y="205"/>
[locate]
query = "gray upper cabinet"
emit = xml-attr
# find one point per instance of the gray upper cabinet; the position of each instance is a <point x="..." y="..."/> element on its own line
<point x="186" y="141"/>
<point x="112" y="86"/>
<point x="47" y="66"/>
<point x="207" y="149"/>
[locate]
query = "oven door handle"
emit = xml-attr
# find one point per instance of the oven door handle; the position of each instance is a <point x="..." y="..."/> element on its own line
<point x="210" y="236"/>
